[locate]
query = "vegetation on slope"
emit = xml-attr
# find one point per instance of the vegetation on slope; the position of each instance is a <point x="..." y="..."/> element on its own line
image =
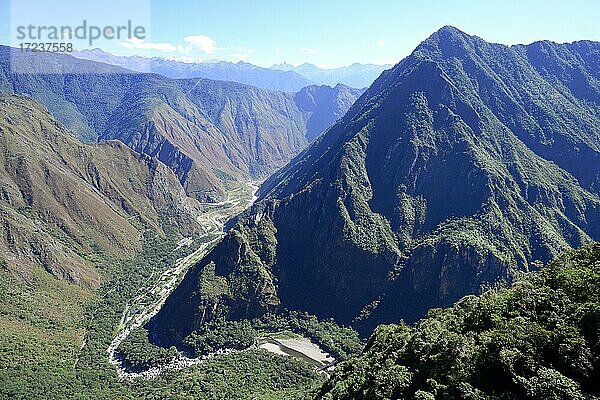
<point x="538" y="339"/>
<point x="85" y="228"/>
<point x="137" y="353"/>
<point x="55" y="335"/>
<point x="450" y="172"/>
<point x="62" y="199"/>
<point x="340" y="342"/>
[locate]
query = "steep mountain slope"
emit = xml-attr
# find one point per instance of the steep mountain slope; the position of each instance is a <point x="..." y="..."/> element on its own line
<point x="241" y="72"/>
<point x="215" y="133"/>
<point x="62" y="199"/>
<point x="212" y="134"/>
<point x="81" y="94"/>
<point x="454" y="169"/>
<point x="355" y="75"/>
<point x="538" y="339"/>
<point x="325" y="105"/>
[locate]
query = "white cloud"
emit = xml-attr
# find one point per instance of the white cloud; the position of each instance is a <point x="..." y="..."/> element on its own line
<point x="200" y="42"/>
<point x="381" y="43"/>
<point x="135" y="43"/>
<point x="193" y="49"/>
<point x="306" y="50"/>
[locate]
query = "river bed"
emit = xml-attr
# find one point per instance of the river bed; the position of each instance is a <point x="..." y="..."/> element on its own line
<point x="300" y="348"/>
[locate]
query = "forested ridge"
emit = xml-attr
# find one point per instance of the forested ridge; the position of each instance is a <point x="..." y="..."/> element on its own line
<point x="537" y="339"/>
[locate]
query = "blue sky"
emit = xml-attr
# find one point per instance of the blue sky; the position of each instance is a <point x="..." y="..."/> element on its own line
<point x="327" y="33"/>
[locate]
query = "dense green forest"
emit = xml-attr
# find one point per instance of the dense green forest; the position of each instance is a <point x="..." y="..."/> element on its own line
<point x="341" y="342"/>
<point x="139" y="354"/>
<point x="41" y="351"/>
<point x="538" y="339"/>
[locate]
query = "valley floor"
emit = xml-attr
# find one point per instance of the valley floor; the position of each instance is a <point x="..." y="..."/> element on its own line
<point x="144" y="306"/>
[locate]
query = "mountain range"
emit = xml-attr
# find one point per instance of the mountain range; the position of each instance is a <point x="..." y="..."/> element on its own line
<point x="355" y="75"/>
<point x="464" y="163"/>
<point x="459" y="171"/>
<point x="241" y="72"/>
<point x="212" y="134"/>
<point x="283" y="77"/>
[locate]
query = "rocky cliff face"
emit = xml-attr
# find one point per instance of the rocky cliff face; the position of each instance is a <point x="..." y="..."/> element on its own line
<point x="464" y="162"/>
<point x="61" y="199"/>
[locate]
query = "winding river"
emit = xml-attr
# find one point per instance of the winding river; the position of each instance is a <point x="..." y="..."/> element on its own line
<point x="143" y="307"/>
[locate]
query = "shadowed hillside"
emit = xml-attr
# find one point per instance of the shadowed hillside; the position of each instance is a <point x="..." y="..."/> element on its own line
<point x="465" y="162"/>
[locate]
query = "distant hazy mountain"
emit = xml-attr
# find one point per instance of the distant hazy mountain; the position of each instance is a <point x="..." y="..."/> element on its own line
<point x="283" y="76"/>
<point x="242" y="72"/>
<point x="325" y="104"/>
<point x="211" y="133"/>
<point x="465" y="162"/>
<point x="355" y="75"/>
